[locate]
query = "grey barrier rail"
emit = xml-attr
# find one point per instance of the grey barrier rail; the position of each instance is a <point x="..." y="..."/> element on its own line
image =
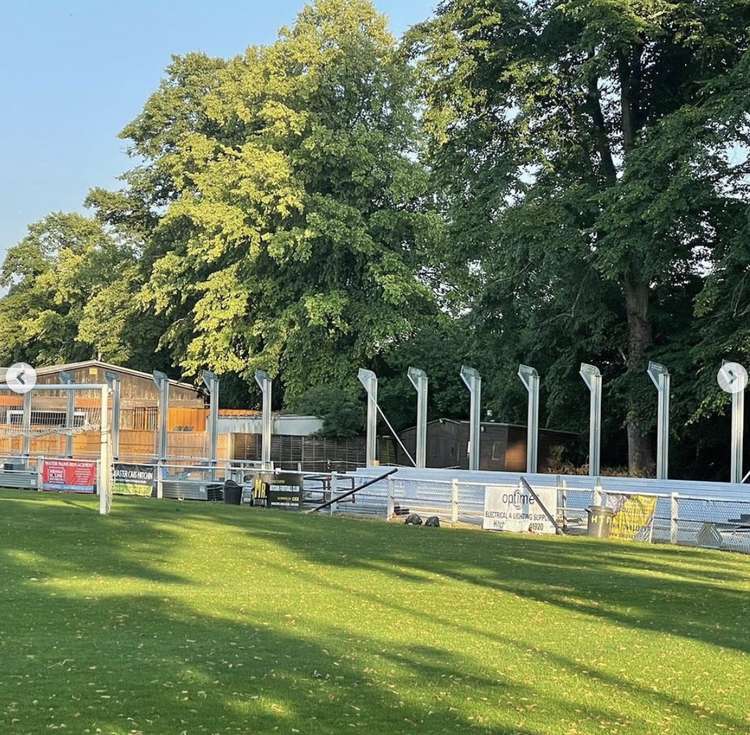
<point x="706" y="514"/>
<point x="712" y="515"/>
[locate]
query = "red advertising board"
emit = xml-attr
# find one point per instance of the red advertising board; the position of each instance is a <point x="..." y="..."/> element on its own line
<point x="68" y="475"/>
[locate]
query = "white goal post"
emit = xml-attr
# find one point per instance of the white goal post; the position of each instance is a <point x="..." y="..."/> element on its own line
<point x="43" y="423"/>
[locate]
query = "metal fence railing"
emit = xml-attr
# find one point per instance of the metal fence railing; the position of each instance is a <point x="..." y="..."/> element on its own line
<point x="709" y="521"/>
<point x="658" y="511"/>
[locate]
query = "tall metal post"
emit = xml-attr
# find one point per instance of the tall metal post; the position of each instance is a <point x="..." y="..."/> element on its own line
<point x="70" y="408"/>
<point x="738" y="431"/>
<point x="530" y="378"/>
<point x="660" y="378"/>
<point x="266" y="386"/>
<point x="211" y="382"/>
<point x="162" y="438"/>
<point x="105" y="456"/>
<point x="114" y="383"/>
<point x="733" y="379"/>
<point x="419" y="380"/>
<point x="593" y="379"/>
<point x="26" y="425"/>
<point x="370" y="383"/>
<point x="473" y="381"/>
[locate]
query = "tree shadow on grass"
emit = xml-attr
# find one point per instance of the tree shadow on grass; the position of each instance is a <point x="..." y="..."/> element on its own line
<point x="699" y="595"/>
<point x="80" y="655"/>
<point x="164" y="618"/>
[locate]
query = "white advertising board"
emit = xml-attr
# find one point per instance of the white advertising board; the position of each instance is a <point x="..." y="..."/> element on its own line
<point x="514" y="509"/>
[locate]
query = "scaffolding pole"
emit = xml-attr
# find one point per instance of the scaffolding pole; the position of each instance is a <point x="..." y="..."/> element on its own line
<point x="370" y="383"/>
<point x="114" y="382"/>
<point x="162" y="436"/>
<point x="593" y="379"/>
<point x="211" y="381"/>
<point x="530" y="378"/>
<point x="473" y="381"/>
<point x="266" y="387"/>
<point x="70" y="408"/>
<point x="419" y="380"/>
<point x="660" y="378"/>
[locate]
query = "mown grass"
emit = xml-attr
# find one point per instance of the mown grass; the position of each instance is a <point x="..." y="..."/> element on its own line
<point x="196" y="618"/>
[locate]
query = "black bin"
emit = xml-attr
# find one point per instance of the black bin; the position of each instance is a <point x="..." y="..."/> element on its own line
<point x="232" y="493"/>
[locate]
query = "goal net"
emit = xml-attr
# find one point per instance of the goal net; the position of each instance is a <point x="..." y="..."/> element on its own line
<point x="58" y="434"/>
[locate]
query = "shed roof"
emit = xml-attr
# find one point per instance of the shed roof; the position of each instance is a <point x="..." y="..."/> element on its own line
<point x="52" y="369"/>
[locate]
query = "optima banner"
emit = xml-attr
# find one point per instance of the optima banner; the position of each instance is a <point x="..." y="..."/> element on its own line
<point x="509" y="509"/>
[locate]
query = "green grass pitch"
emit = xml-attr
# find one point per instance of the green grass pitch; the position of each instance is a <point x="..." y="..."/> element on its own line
<point x="194" y="618"/>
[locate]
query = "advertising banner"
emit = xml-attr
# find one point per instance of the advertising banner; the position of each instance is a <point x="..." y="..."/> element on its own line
<point x="514" y="509"/>
<point x="134" y="479"/>
<point x="68" y="475"/>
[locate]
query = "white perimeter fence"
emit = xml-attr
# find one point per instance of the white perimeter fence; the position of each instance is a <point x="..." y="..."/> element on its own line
<point x="706" y="514"/>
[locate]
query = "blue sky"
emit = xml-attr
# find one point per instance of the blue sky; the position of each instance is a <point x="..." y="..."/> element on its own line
<point x="73" y="73"/>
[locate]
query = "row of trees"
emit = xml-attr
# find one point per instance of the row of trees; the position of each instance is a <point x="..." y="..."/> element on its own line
<point x="514" y="181"/>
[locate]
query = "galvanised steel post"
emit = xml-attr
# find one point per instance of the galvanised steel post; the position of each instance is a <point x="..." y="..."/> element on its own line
<point x="26" y="424"/>
<point x="593" y="379"/>
<point x="105" y="456"/>
<point x="660" y="378"/>
<point x="266" y="386"/>
<point x="473" y="381"/>
<point x="70" y="408"/>
<point x="733" y="379"/>
<point x="211" y="381"/>
<point x="419" y="380"/>
<point x="162" y="436"/>
<point x="370" y="383"/>
<point x="738" y="431"/>
<point x="530" y="378"/>
<point x="114" y="383"/>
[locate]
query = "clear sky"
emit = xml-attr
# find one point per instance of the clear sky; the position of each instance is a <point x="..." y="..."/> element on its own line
<point x="74" y="72"/>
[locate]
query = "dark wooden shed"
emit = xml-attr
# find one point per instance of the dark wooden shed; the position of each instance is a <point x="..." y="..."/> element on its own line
<point x="502" y="447"/>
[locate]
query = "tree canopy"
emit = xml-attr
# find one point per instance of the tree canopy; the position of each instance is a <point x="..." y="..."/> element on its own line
<point x="515" y="181"/>
<point x="592" y="160"/>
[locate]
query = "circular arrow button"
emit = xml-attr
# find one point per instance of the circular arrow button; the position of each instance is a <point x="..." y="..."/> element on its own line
<point x="21" y="377"/>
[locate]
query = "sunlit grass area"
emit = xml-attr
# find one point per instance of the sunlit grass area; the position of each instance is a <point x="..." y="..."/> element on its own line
<point x="198" y="618"/>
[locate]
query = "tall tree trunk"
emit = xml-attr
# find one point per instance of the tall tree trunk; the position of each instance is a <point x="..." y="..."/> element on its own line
<point x="637" y="293"/>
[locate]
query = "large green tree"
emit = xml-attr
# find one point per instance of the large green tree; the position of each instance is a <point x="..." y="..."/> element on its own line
<point x="71" y="296"/>
<point x="591" y="159"/>
<point x="282" y="203"/>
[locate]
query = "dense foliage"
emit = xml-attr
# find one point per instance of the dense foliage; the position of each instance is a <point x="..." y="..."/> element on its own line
<point x="537" y="182"/>
<point x="591" y="156"/>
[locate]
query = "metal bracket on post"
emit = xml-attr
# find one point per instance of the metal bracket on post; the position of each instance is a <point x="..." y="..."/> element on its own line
<point x="211" y="381"/>
<point x="113" y="380"/>
<point x="70" y="408"/>
<point x="370" y="383"/>
<point x="530" y="378"/>
<point x="593" y="379"/>
<point x="418" y="379"/>
<point x="266" y="387"/>
<point x="660" y="378"/>
<point x="473" y="381"/>
<point x="162" y="436"/>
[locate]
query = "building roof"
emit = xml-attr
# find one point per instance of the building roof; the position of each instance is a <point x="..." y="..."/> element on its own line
<point x="52" y="369"/>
